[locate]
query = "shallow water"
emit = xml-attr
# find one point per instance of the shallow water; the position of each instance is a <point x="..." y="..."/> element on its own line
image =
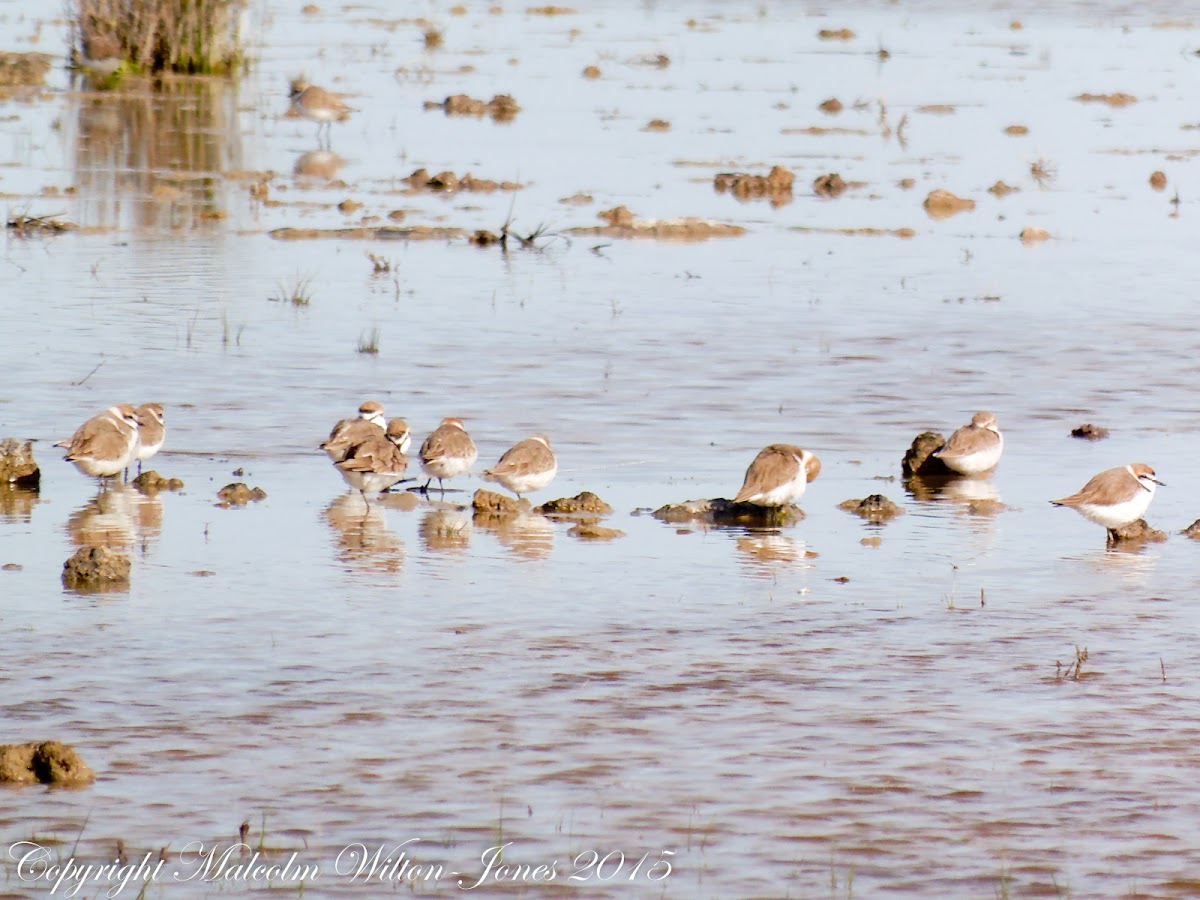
<point x="350" y="676"/>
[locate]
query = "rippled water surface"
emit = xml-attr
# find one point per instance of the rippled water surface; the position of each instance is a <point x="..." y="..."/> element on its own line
<point x="799" y="711"/>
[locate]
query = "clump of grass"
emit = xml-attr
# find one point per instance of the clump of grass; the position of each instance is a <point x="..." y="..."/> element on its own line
<point x="197" y="37"/>
<point x="368" y="342"/>
<point x="298" y="293"/>
<point x="1043" y="171"/>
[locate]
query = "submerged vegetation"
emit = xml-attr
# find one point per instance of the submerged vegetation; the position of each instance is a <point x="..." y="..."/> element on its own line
<point x="196" y="37"/>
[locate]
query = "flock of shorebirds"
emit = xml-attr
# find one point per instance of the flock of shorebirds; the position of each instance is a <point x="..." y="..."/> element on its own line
<point x="369" y="453"/>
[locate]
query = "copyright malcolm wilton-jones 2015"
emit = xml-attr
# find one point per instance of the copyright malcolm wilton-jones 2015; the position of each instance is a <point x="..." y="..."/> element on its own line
<point x="359" y="863"/>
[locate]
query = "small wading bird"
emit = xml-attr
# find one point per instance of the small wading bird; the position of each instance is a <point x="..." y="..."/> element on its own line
<point x="527" y="466"/>
<point x="348" y="432"/>
<point x="317" y="105"/>
<point x="1116" y="497"/>
<point x="378" y="462"/>
<point x="447" y="452"/>
<point x="975" y="448"/>
<point x="778" y="476"/>
<point x="105" y="444"/>
<point x="152" y="432"/>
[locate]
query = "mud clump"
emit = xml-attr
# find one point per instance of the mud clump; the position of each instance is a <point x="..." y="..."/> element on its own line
<point x="238" y="494"/>
<point x="150" y="483"/>
<point x="941" y="203"/>
<point x="1000" y="189"/>
<point x="24" y="69"/>
<point x="1089" y="432"/>
<point x="985" y="506"/>
<point x="17" y="465"/>
<point x="836" y="34"/>
<point x="1136" y="532"/>
<point x="449" y="183"/>
<point x="876" y="508"/>
<point x="501" y="108"/>
<point x="591" y="531"/>
<point x="919" y="458"/>
<point x="591" y="72"/>
<point x="720" y="511"/>
<point x="374" y="233"/>
<point x="584" y="502"/>
<point x="622" y="224"/>
<point x="831" y="107"/>
<point x="96" y="569"/>
<point x="1118" y="98"/>
<point x="491" y="503"/>
<point x="1158" y="180"/>
<point x="831" y="185"/>
<point x="1032" y="234"/>
<point x="657" y="125"/>
<point x="43" y="762"/>
<point x="1016" y="130"/>
<point x="1192" y="531"/>
<point x="777" y="184"/>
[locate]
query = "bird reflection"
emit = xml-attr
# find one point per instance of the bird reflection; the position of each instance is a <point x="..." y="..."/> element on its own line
<point x="17" y="503"/>
<point x="527" y="535"/>
<point x="318" y="164"/>
<point x="446" y="529"/>
<point x="764" y="553"/>
<point x="117" y="517"/>
<point x="364" y="541"/>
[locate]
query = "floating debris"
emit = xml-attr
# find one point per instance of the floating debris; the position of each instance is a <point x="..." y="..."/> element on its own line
<point x="776" y="184"/>
<point x="1032" y="234"/>
<point x="449" y="183"/>
<point x="831" y="185"/>
<point x="941" y="203"/>
<point x="28" y="226"/>
<point x="372" y="233"/>
<point x="1115" y="99"/>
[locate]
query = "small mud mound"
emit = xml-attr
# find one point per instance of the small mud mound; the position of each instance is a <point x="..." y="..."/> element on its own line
<point x="1089" y="432"/>
<point x="1032" y="234"/>
<point x="448" y="183"/>
<point x="46" y="762"/>
<point x="590" y="531"/>
<point x="836" y="34"/>
<point x="721" y="511"/>
<point x="875" y="508"/>
<point x="919" y="458"/>
<point x="1192" y="531"/>
<point x="238" y="494"/>
<point x="776" y="185"/>
<point x="491" y="503"/>
<point x="585" y="502"/>
<point x="831" y="185"/>
<point x="96" y="569"/>
<point x="1137" y="533"/>
<point x="622" y="224"/>
<point x="17" y="465"/>
<point x="150" y="483"/>
<point x="1118" y="98"/>
<point x="831" y="107"/>
<point x="1158" y="180"/>
<point x="1000" y="189"/>
<point x="941" y="203"/>
<point x="502" y="107"/>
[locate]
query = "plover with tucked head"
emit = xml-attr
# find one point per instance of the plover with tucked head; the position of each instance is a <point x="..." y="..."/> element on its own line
<point x="378" y="462"/>
<point x="105" y="444"/>
<point x="447" y="452"/>
<point x="317" y="105"/>
<point x="528" y="465"/>
<point x="1116" y="497"/>
<point x="348" y="432"/>
<point x="151" y="433"/>
<point x="778" y="476"/>
<point x="974" y="448"/>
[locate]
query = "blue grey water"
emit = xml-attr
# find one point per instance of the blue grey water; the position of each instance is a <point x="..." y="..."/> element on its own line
<point x="348" y="676"/>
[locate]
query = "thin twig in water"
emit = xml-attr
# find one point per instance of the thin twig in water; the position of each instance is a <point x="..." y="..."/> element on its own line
<point x="88" y="375"/>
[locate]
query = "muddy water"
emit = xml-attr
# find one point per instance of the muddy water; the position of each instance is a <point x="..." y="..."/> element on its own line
<point x="335" y="675"/>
